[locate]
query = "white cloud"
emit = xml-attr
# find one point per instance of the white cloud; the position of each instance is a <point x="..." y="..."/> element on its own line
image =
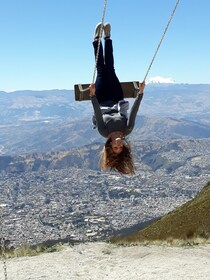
<point x="161" y="80"/>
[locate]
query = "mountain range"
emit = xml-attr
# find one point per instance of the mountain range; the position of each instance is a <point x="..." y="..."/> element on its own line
<point x="40" y="121"/>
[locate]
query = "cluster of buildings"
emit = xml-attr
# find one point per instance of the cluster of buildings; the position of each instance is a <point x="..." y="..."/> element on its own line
<point x="86" y="205"/>
<point x="75" y="204"/>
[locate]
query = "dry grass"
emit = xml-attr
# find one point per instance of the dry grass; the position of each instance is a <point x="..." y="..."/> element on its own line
<point x="189" y="224"/>
<point x="26" y="250"/>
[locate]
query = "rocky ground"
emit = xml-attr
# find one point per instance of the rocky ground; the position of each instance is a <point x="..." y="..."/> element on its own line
<point x="93" y="261"/>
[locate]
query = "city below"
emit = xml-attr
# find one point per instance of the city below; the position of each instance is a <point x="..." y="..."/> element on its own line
<point x="72" y="204"/>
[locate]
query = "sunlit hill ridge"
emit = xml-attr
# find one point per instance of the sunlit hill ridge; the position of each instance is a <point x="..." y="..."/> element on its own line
<point x="190" y="222"/>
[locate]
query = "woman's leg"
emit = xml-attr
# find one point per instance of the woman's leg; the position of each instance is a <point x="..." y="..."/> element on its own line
<point x="108" y="57"/>
<point x="99" y="83"/>
<point x="113" y="87"/>
<point x="100" y="64"/>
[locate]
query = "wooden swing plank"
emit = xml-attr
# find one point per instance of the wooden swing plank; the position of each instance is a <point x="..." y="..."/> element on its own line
<point x="130" y="90"/>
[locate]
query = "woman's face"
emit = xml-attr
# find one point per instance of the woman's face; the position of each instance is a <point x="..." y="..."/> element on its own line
<point x="117" y="145"/>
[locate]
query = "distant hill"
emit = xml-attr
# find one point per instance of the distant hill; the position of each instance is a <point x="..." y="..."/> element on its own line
<point x="188" y="101"/>
<point x="27" y="106"/>
<point x="188" y="222"/>
<point x="190" y="157"/>
<point x="42" y="137"/>
<point x="47" y="121"/>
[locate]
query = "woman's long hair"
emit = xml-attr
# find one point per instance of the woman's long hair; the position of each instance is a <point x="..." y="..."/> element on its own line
<point x="123" y="162"/>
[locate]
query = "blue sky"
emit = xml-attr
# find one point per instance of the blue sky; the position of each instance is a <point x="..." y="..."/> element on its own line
<point x="47" y="44"/>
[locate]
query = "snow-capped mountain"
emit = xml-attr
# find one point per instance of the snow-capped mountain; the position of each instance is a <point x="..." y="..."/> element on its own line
<point x="161" y="80"/>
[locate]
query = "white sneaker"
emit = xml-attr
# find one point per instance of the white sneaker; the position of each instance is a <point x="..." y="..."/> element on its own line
<point x="97" y="31"/>
<point x="107" y="30"/>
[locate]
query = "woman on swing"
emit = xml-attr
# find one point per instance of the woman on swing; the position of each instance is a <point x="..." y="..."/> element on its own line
<point x="110" y="108"/>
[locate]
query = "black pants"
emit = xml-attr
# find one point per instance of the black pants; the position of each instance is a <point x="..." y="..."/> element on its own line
<point x="107" y="84"/>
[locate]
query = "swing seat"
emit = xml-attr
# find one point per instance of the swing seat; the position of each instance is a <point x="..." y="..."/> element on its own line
<point x="82" y="92"/>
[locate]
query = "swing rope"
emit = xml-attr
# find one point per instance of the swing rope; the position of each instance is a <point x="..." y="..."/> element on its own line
<point x="81" y="89"/>
<point x="164" y="33"/>
<point x="100" y="36"/>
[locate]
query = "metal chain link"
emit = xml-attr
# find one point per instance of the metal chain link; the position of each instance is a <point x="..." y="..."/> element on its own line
<point x="164" y="33"/>
<point x="99" y="39"/>
<point x="3" y="246"/>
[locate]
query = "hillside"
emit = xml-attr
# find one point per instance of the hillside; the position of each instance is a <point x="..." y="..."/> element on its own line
<point x="36" y="137"/>
<point x="190" y="157"/>
<point x="188" y="222"/>
<point x="49" y="121"/>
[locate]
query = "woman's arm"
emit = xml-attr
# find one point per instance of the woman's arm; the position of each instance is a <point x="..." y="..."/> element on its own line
<point x="97" y="112"/>
<point x="135" y="108"/>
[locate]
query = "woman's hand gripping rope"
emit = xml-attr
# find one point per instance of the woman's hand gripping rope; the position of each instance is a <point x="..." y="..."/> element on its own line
<point x="92" y="89"/>
<point x="141" y="87"/>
